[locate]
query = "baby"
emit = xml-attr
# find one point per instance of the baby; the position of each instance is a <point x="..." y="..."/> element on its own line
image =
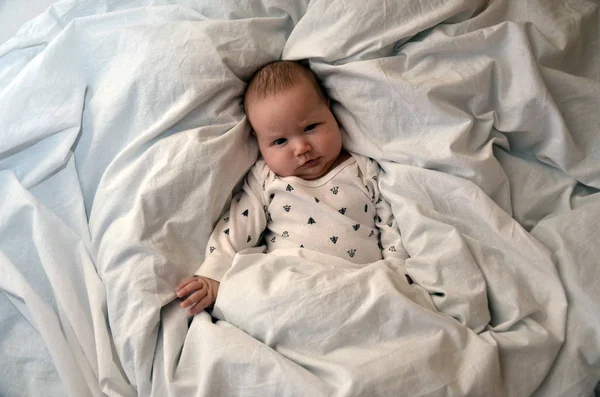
<point x="305" y="191"/>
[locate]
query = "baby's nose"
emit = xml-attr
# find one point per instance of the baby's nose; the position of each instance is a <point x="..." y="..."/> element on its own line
<point x="302" y="147"/>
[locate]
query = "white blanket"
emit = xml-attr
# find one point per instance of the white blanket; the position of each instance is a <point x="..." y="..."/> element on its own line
<point x="122" y="136"/>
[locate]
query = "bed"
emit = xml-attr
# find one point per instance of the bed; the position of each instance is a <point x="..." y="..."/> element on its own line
<point x="123" y="136"/>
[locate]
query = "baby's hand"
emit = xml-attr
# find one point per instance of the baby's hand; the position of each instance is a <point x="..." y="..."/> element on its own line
<point x="201" y="293"/>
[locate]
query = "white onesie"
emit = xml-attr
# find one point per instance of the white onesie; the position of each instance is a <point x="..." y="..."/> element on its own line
<point x="341" y="214"/>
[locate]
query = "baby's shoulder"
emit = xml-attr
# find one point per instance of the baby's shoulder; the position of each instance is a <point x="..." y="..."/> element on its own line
<point x="260" y="170"/>
<point x="367" y="165"/>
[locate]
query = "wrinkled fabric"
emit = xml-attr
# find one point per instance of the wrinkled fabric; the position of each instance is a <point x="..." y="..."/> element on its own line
<point x="123" y="134"/>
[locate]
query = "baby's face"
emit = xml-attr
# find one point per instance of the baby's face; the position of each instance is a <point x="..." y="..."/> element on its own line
<point x="297" y="133"/>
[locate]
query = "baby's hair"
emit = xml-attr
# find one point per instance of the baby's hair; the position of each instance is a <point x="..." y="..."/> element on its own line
<point x="278" y="76"/>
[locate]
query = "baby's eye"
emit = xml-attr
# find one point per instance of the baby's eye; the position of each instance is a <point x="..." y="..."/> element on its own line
<point x="279" y="142"/>
<point x="310" y="127"/>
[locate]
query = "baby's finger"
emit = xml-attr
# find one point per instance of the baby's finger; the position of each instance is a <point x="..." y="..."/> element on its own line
<point x="201" y="305"/>
<point x="195" y="285"/>
<point x="194" y="298"/>
<point x="186" y="281"/>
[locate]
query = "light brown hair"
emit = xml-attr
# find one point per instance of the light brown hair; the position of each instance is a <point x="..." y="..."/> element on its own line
<point x="278" y="76"/>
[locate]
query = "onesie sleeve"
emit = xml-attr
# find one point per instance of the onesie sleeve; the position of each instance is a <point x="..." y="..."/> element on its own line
<point x="390" y="239"/>
<point x="240" y="228"/>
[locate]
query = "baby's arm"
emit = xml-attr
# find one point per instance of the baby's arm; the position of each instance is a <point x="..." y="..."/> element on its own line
<point x="390" y="239"/>
<point x="240" y="228"/>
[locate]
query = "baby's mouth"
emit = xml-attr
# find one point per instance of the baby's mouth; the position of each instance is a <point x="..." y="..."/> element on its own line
<point x="311" y="163"/>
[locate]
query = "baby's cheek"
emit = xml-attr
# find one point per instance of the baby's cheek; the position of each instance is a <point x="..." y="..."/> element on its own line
<point x="279" y="164"/>
<point x="335" y="142"/>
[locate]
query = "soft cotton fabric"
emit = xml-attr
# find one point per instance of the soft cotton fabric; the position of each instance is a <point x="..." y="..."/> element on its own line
<point x="123" y="136"/>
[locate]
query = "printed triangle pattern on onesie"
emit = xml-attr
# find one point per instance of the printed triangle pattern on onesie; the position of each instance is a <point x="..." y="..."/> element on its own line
<point x="338" y="214"/>
<point x="334" y="214"/>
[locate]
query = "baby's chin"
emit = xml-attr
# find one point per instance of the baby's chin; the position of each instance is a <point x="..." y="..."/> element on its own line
<point x="308" y="176"/>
